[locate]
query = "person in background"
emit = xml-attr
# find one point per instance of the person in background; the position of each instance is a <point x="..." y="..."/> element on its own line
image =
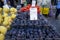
<point x="5" y="2"/>
<point x="22" y="3"/>
<point x="54" y="2"/>
<point x="58" y="9"/>
<point x="1" y="3"/>
<point x="16" y="1"/>
<point x="30" y="1"/>
<point x="13" y="3"/>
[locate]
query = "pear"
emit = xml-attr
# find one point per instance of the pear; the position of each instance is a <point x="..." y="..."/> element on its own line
<point x="6" y="10"/>
<point x="10" y="23"/>
<point x="5" y="15"/>
<point x="13" y="16"/>
<point x="5" y="23"/>
<point x="13" y="10"/>
<point x="3" y="29"/>
<point x="0" y="16"/>
<point x="1" y="37"/>
<point x="0" y="20"/>
<point x="10" y="19"/>
<point x="0" y="10"/>
<point x="8" y="27"/>
<point x="7" y="20"/>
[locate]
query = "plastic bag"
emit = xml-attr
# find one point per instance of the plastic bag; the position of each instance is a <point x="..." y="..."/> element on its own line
<point x="6" y="6"/>
<point x="46" y="11"/>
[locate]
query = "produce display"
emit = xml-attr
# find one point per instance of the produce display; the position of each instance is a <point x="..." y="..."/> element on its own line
<point x="22" y="28"/>
<point x="7" y="16"/>
<point x="19" y="26"/>
<point x="6" y="19"/>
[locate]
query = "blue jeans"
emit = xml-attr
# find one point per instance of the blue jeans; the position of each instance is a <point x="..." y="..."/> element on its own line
<point x="57" y="13"/>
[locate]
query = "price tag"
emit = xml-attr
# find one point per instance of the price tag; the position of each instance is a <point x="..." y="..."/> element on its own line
<point x="33" y="14"/>
<point x="33" y="3"/>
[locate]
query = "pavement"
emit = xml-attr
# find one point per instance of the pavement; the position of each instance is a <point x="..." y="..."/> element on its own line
<point x="54" y="22"/>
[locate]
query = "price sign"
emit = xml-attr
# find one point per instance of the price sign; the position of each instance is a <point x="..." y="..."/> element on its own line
<point x="33" y="14"/>
<point x="33" y="3"/>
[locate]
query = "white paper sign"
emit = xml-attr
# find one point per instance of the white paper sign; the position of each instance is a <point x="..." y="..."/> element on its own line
<point x="33" y="14"/>
<point x="33" y="3"/>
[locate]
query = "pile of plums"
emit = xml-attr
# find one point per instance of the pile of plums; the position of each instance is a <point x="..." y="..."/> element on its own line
<point x="22" y="28"/>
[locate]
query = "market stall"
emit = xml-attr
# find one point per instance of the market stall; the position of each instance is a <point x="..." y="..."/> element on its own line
<point x="28" y="23"/>
<point x="25" y="28"/>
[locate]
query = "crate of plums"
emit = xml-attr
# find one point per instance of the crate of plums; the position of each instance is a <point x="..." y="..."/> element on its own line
<point x="22" y="28"/>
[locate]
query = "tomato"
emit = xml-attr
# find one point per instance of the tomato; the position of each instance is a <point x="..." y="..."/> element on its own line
<point x="21" y="9"/>
<point x="27" y="8"/>
<point x="29" y="5"/>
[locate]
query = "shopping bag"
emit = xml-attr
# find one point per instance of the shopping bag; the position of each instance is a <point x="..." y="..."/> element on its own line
<point x="6" y="6"/>
<point x="45" y="11"/>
